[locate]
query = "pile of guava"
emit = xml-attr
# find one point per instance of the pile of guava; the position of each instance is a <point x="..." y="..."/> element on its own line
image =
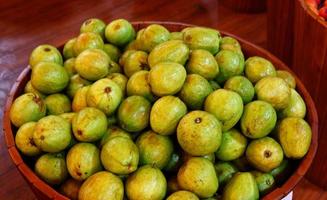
<point x="153" y="114"/>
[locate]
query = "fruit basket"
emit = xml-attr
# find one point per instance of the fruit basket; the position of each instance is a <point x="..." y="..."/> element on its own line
<point x="44" y="191"/>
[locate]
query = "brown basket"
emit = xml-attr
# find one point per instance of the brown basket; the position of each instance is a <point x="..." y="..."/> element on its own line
<point x="44" y="191"/>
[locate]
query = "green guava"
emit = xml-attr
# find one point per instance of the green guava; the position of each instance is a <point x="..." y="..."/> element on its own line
<point x="256" y="68"/>
<point x="138" y="84"/>
<point x="287" y="77"/>
<point x="120" y="79"/>
<point x="24" y="140"/>
<point x="79" y="101"/>
<point x="119" y="32"/>
<point x="295" y="108"/>
<point x="112" y="51"/>
<point x="30" y="89"/>
<point x="225" y="171"/>
<point x="242" y="86"/>
<point x="152" y="36"/>
<point x="76" y="82"/>
<point x="57" y="104"/>
<point x="93" y="25"/>
<point x="135" y="62"/>
<point x="69" y="65"/>
<point x="112" y="132"/>
<point x="183" y="194"/>
<point x="45" y="53"/>
<point x="87" y="41"/>
<point x="230" y="64"/>
<point x="68" y="51"/>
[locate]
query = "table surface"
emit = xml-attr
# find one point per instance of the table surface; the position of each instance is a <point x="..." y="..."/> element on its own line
<point x="26" y="24"/>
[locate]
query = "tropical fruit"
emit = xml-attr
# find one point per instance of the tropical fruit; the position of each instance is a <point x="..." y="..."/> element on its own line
<point x="138" y="84"/>
<point x="89" y="124"/>
<point x="155" y="150"/>
<point x="199" y="133"/>
<point x="92" y="64"/>
<point x="183" y="194"/>
<point x="76" y="82"/>
<point x="70" y="188"/>
<point x="49" y="78"/>
<point x="273" y="90"/>
<point x="151" y="36"/>
<point x="119" y="32"/>
<point x="198" y="175"/>
<point x="102" y="185"/>
<point x="29" y="88"/>
<point x="186" y="156"/>
<point x="257" y="67"/>
<point x="135" y="62"/>
<point x="225" y="171"/>
<point x="233" y="145"/>
<point x="68" y="116"/>
<point x="83" y="160"/>
<point x="226" y="106"/>
<point x="258" y="120"/>
<point x="171" y="51"/>
<point x="134" y="113"/>
<point x="230" y="64"/>
<point x="105" y="95"/>
<point x="166" y="113"/>
<point x="57" y="104"/>
<point x="287" y="77"/>
<point x="93" y="25"/>
<point x="241" y="187"/>
<point x="51" y="167"/>
<point x="52" y="134"/>
<point x="229" y="43"/>
<point x="112" y="51"/>
<point x="147" y="183"/>
<point x="242" y="86"/>
<point x="282" y="172"/>
<point x="86" y="41"/>
<point x="69" y="65"/>
<point x="202" y="38"/>
<point x="295" y="108"/>
<point x="68" y="51"/>
<point x="27" y="108"/>
<point x="45" y="53"/>
<point x="79" y="101"/>
<point x="264" y="154"/>
<point x="120" y="79"/>
<point x="294" y="134"/>
<point x="202" y="62"/>
<point x="112" y="132"/>
<point x="265" y="181"/>
<point x="24" y="139"/>
<point x="194" y="91"/>
<point x="176" y="36"/>
<point x="172" y="185"/>
<point x="120" y="155"/>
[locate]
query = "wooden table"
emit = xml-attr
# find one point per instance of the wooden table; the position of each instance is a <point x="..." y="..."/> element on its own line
<point x="26" y="24"/>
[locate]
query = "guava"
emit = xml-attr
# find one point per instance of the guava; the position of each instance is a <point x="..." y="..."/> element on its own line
<point x="138" y="84"/>
<point x="112" y="51"/>
<point x="120" y="79"/>
<point x="24" y="140"/>
<point x="83" y="160"/>
<point x="230" y="64"/>
<point x="45" y="53"/>
<point x="57" y="104"/>
<point x="176" y="36"/>
<point x="172" y="185"/>
<point x="264" y="154"/>
<point x="76" y="82"/>
<point x="287" y="77"/>
<point x="166" y="113"/>
<point x="202" y="62"/>
<point x="256" y="68"/>
<point x="79" y="101"/>
<point x="52" y="134"/>
<point x="89" y="124"/>
<point x="282" y="172"/>
<point x="70" y="188"/>
<point x="199" y="133"/>
<point x="214" y="85"/>
<point x="135" y="62"/>
<point x="152" y="36"/>
<point x="112" y="132"/>
<point x="49" y="78"/>
<point x="92" y="64"/>
<point x="68" y="51"/>
<point x="183" y="194"/>
<point x="28" y="107"/>
<point x="105" y="95"/>
<point x="230" y="43"/>
<point x="124" y="56"/>
<point x="225" y="171"/>
<point x="167" y="78"/>
<point x="69" y="65"/>
<point x="265" y="182"/>
<point x="114" y="68"/>
<point x="29" y="88"/>
<point x="87" y="41"/>
<point x="93" y="25"/>
<point x="242" y="86"/>
<point x="51" y="167"/>
<point x="155" y="149"/>
<point x="68" y="116"/>
<point x="211" y="157"/>
<point x="226" y="106"/>
<point x="119" y="32"/>
<point x="295" y="108"/>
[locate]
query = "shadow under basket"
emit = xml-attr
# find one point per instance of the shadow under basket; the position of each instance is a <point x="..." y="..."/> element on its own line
<point x="43" y="191"/>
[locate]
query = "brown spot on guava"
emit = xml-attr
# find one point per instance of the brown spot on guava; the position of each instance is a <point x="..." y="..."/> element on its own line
<point x="42" y="137"/>
<point x="46" y="49"/>
<point x="31" y="141"/>
<point x="79" y="173"/>
<point x="116" y="27"/>
<point x="188" y="38"/>
<point x="268" y="182"/>
<point x="107" y="90"/>
<point x="79" y="132"/>
<point x="88" y="21"/>
<point x="198" y="120"/>
<point x="267" y="153"/>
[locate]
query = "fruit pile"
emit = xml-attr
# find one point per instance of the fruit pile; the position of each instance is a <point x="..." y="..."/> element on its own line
<point x="143" y="116"/>
<point x="319" y="7"/>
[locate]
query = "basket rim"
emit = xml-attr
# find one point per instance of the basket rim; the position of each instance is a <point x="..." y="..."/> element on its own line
<point x="277" y="193"/>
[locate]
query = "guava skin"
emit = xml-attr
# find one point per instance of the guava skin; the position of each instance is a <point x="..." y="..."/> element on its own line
<point x="138" y="84"/>
<point x="24" y="140"/>
<point x="226" y="106"/>
<point x="124" y="56"/>
<point x="211" y="157"/>
<point x="49" y="78"/>
<point x="134" y="113"/>
<point x="199" y="133"/>
<point x="201" y="38"/>
<point x="242" y="86"/>
<point x="287" y="77"/>
<point x="121" y="81"/>
<point x="265" y="182"/>
<point x="119" y="32"/>
<point x="295" y="108"/>
<point x="273" y="90"/>
<point x="172" y="185"/>
<point x="229" y="43"/>
<point x="202" y="62"/>
<point x="282" y="172"/>
<point x="27" y="108"/>
<point x="135" y="62"/>
<point x="68" y="116"/>
<point x="194" y="91"/>
<point x="92" y="64"/>
<point x="155" y="149"/>
<point x="105" y="95"/>
<point x="45" y="53"/>
<point x="76" y="82"/>
<point x="258" y="120"/>
<point x="89" y="124"/>
<point x="52" y="134"/>
<point x="183" y="194"/>
<point x="79" y="101"/>
<point x="87" y="41"/>
<point x="167" y="78"/>
<point x="93" y="25"/>
<point x="112" y="51"/>
<point x="147" y="183"/>
<point x="171" y="51"/>
<point x="51" y="168"/>
<point x="198" y="175"/>
<point x="241" y="186"/>
<point x="120" y="155"/>
<point x="264" y="154"/>
<point x="112" y="132"/>
<point x="102" y="185"/>
<point x="68" y="51"/>
<point x="176" y="36"/>
<point x="57" y="104"/>
<point x="294" y="135"/>
<point x="257" y="68"/>
<point x="83" y="160"/>
<point x="70" y="188"/>
<point x="114" y="68"/>
<point x="152" y="36"/>
<point x="30" y="89"/>
<point x="225" y="171"/>
<point x="230" y="64"/>
<point x="69" y="65"/>
<point x="166" y="113"/>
